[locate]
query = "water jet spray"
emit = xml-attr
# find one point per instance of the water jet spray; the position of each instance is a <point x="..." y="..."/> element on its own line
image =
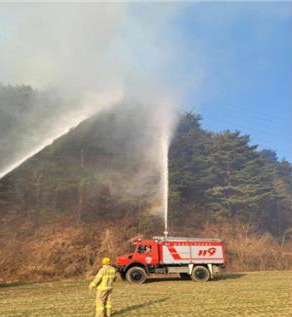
<point x="164" y="181"/>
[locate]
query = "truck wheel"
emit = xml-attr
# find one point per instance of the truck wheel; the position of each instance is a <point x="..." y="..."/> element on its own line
<point x="136" y="275"/>
<point x="200" y="274"/>
<point x="185" y="276"/>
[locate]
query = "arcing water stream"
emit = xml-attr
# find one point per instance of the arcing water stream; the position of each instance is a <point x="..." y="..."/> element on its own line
<point x="48" y="141"/>
<point x="91" y="105"/>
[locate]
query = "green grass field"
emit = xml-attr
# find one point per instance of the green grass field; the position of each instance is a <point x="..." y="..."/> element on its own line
<point x="264" y="294"/>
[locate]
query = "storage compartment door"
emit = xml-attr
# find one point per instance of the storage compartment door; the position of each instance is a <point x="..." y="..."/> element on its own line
<point x="173" y="254"/>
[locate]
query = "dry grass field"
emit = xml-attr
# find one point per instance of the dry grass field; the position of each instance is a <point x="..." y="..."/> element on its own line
<point x="263" y="294"/>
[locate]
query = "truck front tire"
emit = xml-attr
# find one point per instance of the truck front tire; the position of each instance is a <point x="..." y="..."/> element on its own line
<point x="200" y="274"/>
<point x="136" y="275"/>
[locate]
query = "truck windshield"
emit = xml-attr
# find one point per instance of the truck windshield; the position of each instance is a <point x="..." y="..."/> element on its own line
<point x="131" y="248"/>
<point x="144" y="248"/>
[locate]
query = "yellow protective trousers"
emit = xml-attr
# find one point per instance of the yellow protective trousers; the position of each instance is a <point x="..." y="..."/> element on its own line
<point x="103" y="303"/>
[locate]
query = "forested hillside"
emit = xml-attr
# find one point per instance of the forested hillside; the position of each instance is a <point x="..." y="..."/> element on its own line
<point x="221" y="176"/>
<point x="93" y="190"/>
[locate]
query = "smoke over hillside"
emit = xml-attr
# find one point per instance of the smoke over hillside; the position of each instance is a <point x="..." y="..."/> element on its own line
<point x="77" y="60"/>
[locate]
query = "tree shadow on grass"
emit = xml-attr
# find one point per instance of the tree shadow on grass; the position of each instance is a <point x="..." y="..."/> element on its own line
<point x="163" y="279"/>
<point x="5" y="285"/>
<point x="220" y="277"/>
<point x="229" y="276"/>
<point x="138" y="306"/>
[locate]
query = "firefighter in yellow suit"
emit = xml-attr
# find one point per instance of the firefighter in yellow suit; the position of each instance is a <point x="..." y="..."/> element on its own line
<point x="103" y="281"/>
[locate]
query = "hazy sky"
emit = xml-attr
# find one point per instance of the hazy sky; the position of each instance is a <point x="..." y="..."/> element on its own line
<point x="231" y="61"/>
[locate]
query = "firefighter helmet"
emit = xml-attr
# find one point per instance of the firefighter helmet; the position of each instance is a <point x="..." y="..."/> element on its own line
<point x="106" y="261"/>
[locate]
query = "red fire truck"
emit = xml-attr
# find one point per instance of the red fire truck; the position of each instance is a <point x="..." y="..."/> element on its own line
<point x="191" y="258"/>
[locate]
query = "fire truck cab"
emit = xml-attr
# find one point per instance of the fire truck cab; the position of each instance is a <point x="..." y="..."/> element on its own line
<point x="191" y="258"/>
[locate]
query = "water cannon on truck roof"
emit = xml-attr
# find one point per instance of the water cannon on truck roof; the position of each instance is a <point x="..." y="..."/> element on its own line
<point x="192" y="258"/>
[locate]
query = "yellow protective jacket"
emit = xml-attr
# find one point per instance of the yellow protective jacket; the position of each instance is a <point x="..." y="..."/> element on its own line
<point x="104" y="279"/>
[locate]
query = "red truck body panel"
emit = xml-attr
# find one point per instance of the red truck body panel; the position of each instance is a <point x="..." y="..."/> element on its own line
<point x="186" y="252"/>
<point x="183" y="251"/>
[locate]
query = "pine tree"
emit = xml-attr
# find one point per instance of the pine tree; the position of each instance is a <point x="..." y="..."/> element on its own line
<point x="241" y="182"/>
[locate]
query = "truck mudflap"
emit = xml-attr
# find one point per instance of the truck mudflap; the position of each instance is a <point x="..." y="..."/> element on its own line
<point x="191" y="266"/>
<point x="214" y="270"/>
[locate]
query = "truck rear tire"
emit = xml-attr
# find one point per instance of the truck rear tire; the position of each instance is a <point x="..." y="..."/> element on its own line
<point x="185" y="276"/>
<point x="200" y="274"/>
<point x="136" y="275"/>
